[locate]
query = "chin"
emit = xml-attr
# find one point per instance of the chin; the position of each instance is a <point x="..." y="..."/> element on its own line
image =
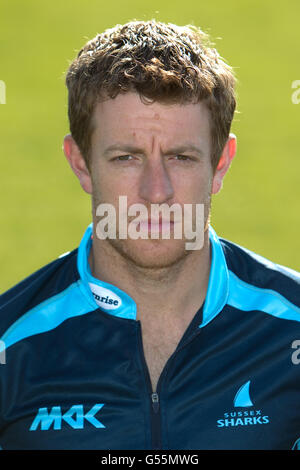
<point x="151" y="254"/>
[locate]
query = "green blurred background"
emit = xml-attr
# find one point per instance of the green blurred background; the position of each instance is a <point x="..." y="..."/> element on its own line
<point x="44" y="212"/>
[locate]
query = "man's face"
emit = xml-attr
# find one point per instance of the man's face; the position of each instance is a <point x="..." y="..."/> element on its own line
<point x="153" y="154"/>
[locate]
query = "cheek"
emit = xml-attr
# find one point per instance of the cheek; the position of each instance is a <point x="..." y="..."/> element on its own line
<point x="195" y="187"/>
<point x="108" y="187"/>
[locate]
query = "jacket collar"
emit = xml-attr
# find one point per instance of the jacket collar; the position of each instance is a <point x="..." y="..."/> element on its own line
<point x="218" y="284"/>
<point x="116" y="302"/>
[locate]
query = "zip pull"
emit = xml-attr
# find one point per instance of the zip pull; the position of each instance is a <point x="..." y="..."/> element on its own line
<point x="155" y="402"/>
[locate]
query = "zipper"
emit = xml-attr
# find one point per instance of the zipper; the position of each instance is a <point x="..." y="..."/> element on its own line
<point x="156" y="422"/>
<point x="154" y="396"/>
<point x="155" y="402"/>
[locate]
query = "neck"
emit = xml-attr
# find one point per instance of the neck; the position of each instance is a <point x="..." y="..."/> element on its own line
<point x="172" y="290"/>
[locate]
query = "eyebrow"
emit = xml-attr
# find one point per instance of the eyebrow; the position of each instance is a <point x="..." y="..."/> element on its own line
<point x="185" y="148"/>
<point x="122" y="148"/>
<point x="133" y="149"/>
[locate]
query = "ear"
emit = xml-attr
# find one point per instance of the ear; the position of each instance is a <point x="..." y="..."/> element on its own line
<point x="77" y="163"/>
<point x="227" y="156"/>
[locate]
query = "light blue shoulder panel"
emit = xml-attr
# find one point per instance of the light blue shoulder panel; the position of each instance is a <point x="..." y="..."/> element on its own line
<point x="247" y="297"/>
<point x="49" y="314"/>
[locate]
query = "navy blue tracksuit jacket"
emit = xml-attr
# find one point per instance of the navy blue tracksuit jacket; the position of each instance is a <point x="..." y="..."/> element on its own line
<point x="73" y="373"/>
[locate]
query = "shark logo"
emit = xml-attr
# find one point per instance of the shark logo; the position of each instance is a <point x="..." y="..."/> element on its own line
<point x="296" y="445"/>
<point x="242" y="397"/>
<point x="243" y="417"/>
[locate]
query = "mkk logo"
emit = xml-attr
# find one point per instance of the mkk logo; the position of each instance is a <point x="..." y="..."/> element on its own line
<point x="74" y="417"/>
<point x="243" y="417"/>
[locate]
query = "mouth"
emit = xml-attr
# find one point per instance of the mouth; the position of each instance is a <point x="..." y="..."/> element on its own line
<point x="155" y="225"/>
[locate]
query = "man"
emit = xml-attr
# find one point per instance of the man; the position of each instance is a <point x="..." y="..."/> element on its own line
<point x="141" y="343"/>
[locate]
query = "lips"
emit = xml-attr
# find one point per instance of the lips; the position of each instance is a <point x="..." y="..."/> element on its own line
<point x="156" y="225"/>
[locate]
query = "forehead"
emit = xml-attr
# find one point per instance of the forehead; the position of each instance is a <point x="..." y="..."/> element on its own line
<point x="128" y="117"/>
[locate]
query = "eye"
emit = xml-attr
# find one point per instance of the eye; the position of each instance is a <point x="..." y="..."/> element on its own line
<point x="183" y="158"/>
<point x="123" y="158"/>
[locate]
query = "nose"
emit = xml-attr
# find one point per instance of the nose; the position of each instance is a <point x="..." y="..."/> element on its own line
<point x="155" y="184"/>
